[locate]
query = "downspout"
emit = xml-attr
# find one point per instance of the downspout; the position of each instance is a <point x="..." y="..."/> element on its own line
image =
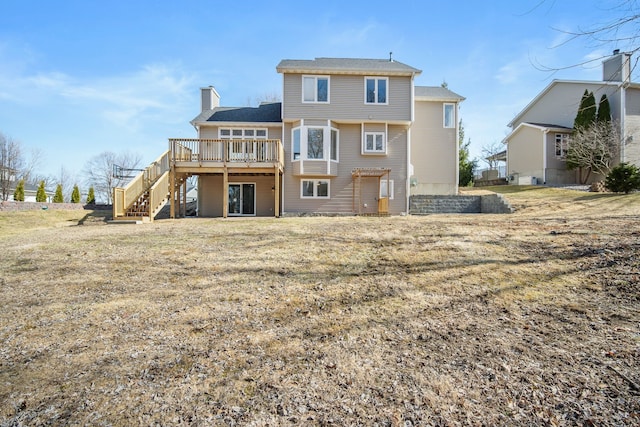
<point x="457" y="144"/>
<point x="407" y="182"/>
<point x="544" y="156"/>
<point x="623" y="113"/>
<point x="284" y="151"/>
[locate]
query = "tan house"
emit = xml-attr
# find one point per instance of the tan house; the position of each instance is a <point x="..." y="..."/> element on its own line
<point x="537" y="144"/>
<point x="351" y="136"/>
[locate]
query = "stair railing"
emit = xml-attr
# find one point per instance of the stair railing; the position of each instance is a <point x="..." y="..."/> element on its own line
<point x="123" y="198"/>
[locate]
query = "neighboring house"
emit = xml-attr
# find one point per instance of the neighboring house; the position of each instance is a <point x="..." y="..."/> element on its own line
<point x="30" y="192"/>
<point x="537" y="144"/>
<point x="351" y="136"/>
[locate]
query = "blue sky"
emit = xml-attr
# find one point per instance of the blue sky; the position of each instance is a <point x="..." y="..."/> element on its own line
<point x="81" y="77"/>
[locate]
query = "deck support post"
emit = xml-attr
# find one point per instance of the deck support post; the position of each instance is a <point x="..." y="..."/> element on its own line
<point x="225" y="193"/>
<point x="172" y="193"/>
<point x="184" y="199"/>
<point x="276" y="195"/>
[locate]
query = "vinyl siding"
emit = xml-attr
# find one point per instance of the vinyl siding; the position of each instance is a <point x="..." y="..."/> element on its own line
<point x="524" y="153"/>
<point x="210" y="194"/>
<point x="632" y="127"/>
<point x="559" y="105"/>
<point x="434" y="152"/>
<point x="346" y="96"/>
<point x="556" y="172"/>
<point x="341" y="187"/>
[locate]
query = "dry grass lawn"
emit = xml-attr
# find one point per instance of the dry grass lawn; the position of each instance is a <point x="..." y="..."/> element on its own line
<point x="524" y="319"/>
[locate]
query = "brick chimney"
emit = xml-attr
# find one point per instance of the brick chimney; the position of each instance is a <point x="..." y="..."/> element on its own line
<point x="210" y="98"/>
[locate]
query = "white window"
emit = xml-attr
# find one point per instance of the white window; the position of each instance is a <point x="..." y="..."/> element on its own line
<point x="314" y="143"/>
<point x="334" y="145"/>
<point x="375" y="90"/>
<point x="449" y="120"/>
<point x="315" y="89"/>
<point x="383" y="188"/>
<point x="562" y="143"/>
<point x="225" y="133"/>
<point x="374" y="143"/>
<point x="295" y="141"/>
<point x="314" y="189"/>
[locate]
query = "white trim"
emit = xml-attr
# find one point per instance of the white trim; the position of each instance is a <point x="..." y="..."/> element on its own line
<point x="315" y="188"/>
<point x="243" y="129"/>
<point x="453" y="113"/>
<point x="557" y="128"/>
<point x="326" y="142"/>
<point x="373" y="151"/>
<point x="544" y="156"/>
<point x="315" y="89"/>
<point x="564" y="145"/>
<point x="375" y="94"/>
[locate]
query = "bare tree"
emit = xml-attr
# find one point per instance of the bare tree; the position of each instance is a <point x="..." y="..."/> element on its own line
<point x="594" y="149"/>
<point x="99" y="172"/>
<point x="490" y="154"/>
<point x="11" y="163"/>
<point x="619" y="32"/>
<point x="66" y="180"/>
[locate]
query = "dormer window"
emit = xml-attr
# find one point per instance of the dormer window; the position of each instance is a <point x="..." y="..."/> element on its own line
<point x="315" y="89"/>
<point x="375" y="90"/>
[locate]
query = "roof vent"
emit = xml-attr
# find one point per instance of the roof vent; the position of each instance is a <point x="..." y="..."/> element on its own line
<point x="390" y="58"/>
<point x="616" y="51"/>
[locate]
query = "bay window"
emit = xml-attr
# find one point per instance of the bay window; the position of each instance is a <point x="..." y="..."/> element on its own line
<point x="314" y="143"/>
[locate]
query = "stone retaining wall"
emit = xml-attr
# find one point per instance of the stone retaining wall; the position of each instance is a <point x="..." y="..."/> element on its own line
<point x="11" y="206"/>
<point x="491" y="203"/>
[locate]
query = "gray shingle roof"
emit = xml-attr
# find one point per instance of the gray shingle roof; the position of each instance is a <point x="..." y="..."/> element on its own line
<point x="437" y="93"/>
<point x="264" y="113"/>
<point x="346" y="66"/>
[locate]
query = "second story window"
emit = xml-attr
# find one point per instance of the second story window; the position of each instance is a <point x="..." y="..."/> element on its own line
<point x="562" y="142"/>
<point x="375" y="90"/>
<point x="449" y="120"/>
<point x="315" y="89"/>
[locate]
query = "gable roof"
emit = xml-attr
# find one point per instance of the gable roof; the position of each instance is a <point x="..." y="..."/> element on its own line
<point x="267" y="112"/>
<point x="543" y="127"/>
<point x="549" y="87"/>
<point x="436" y="93"/>
<point x="347" y="66"/>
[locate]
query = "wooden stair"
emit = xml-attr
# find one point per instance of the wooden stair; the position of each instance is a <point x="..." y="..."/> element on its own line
<point x="140" y="208"/>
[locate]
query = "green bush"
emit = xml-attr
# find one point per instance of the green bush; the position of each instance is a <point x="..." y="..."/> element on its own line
<point x="41" y="195"/>
<point x="58" y="197"/>
<point x="91" y="196"/>
<point x="75" y="195"/>
<point x="623" y="178"/>
<point x="18" y="195"/>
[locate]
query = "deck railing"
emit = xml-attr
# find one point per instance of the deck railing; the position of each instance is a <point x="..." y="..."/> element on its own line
<point x="227" y="150"/>
<point x="125" y="197"/>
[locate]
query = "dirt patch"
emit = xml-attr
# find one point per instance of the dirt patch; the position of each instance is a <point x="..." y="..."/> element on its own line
<point x="523" y="319"/>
